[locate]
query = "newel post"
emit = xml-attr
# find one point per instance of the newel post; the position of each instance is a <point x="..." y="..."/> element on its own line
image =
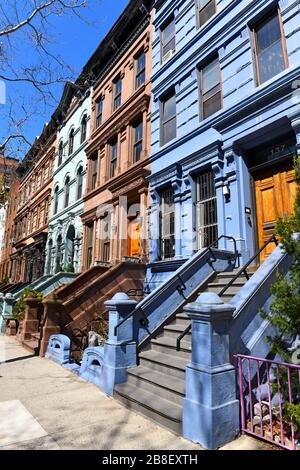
<point x="52" y="311"/>
<point x="31" y="321"/>
<point x="120" y="348"/>
<point x="210" y="407"/>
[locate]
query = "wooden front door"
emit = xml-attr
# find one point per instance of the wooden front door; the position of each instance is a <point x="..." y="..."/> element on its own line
<point x="275" y="196"/>
<point x="134" y="239"/>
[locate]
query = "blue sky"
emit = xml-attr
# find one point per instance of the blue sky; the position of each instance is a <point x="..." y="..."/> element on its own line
<point x="75" y="41"/>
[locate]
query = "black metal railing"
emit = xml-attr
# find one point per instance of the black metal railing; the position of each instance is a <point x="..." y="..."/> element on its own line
<point x="243" y="270"/>
<point x="181" y="287"/>
<point x="78" y="344"/>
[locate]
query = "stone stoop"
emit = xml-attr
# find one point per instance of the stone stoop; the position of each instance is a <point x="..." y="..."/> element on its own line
<point x="156" y="387"/>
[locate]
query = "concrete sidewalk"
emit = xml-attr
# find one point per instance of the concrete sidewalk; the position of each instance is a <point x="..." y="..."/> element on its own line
<point x="44" y="406"/>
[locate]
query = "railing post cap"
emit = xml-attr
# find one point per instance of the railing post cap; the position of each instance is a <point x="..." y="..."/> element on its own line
<point x="209" y="306"/>
<point x="209" y="298"/>
<point x="120" y="299"/>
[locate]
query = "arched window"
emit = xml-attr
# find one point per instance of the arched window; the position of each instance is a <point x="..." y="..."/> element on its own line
<point x="71" y="142"/>
<point x="60" y="153"/>
<point x="67" y="191"/>
<point x="56" y="200"/>
<point x="79" y="182"/>
<point x="83" y="129"/>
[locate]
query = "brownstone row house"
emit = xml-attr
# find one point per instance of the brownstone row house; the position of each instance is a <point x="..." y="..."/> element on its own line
<point x="33" y="206"/>
<point x="9" y="190"/>
<point x="116" y="198"/>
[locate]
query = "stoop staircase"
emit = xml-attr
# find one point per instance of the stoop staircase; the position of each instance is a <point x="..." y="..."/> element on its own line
<point x="156" y="387"/>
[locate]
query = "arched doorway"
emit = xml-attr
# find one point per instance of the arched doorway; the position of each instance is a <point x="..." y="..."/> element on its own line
<point x="58" y="261"/>
<point x="69" y="248"/>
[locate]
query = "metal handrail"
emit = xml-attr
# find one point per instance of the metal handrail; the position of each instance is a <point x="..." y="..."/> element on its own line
<point x="241" y="271"/>
<point x="182" y="287"/>
<point x="182" y="335"/>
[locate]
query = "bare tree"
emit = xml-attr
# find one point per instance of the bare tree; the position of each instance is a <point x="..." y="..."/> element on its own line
<point x="28" y="65"/>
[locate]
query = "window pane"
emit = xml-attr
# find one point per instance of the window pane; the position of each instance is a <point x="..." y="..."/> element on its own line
<point x="268" y="33"/>
<point x="207" y="10"/>
<point x="169" y="130"/>
<point x="270" y="55"/>
<point x="141" y="63"/>
<point x="212" y="105"/>
<point x="210" y="76"/>
<point x="169" y="32"/>
<point x="139" y="132"/>
<point x="169" y="108"/>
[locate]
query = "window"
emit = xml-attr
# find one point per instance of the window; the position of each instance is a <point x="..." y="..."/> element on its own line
<point x="270" y="52"/>
<point x="36" y="184"/>
<point x="167" y="225"/>
<point x="60" y="153"/>
<point x="113" y="158"/>
<point x="206" y="9"/>
<point x="79" y="182"/>
<point x="38" y="216"/>
<point x="50" y="167"/>
<point x="211" y="95"/>
<point x="99" y="112"/>
<point x="168" y="40"/>
<point x="168" y="129"/>
<point x="43" y="175"/>
<point x="140" y="70"/>
<point x="71" y="142"/>
<point x="67" y="191"/>
<point x="137" y="130"/>
<point x="117" y="93"/>
<point x="90" y="237"/>
<point x="206" y="210"/>
<point x="46" y="212"/>
<point x="56" y="200"/>
<point x="31" y="221"/>
<point x="94" y="174"/>
<point x="83" y="129"/>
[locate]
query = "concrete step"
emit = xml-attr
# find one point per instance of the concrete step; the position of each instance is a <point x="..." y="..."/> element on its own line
<point x="171" y="365"/>
<point x="165" y="386"/>
<point x="218" y="287"/>
<point x="36" y="336"/>
<point x="181" y="320"/>
<point x="158" y="409"/>
<point x="167" y="345"/>
<point x="226" y="277"/>
<point x="174" y="330"/>
<point x="31" y="346"/>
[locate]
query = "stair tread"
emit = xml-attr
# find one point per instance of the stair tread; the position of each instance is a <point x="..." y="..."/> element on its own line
<point x="153" y="402"/>
<point x="171" y="342"/>
<point x="163" y="380"/>
<point x="224" y="284"/>
<point x="177" y="328"/>
<point x="169" y="360"/>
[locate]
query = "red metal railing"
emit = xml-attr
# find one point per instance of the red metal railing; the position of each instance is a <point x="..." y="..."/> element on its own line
<point x="268" y="391"/>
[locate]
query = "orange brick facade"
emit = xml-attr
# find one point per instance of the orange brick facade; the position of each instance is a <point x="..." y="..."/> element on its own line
<point x="116" y="199"/>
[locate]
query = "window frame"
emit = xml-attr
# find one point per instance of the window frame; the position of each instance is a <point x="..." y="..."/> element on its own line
<point x="255" y="44"/>
<point x="67" y="192"/>
<point x="99" y="116"/>
<point x="113" y="161"/>
<point x="83" y="129"/>
<point x="60" y="153"/>
<point x="136" y="143"/>
<point x="71" y="142"/>
<point x="202" y="101"/>
<point x="116" y="96"/>
<point x="163" y="123"/>
<point x="200" y="9"/>
<point x="162" y="32"/>
<point x="79" y="183"/>
<point x="94" y="172"/>
<point x="139" y="73"/>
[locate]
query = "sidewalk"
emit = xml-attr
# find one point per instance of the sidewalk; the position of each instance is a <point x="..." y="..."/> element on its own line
<point x="43" y="406"/>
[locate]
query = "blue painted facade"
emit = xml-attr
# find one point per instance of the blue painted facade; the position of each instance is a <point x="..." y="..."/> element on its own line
<point x="225" y="142"/>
